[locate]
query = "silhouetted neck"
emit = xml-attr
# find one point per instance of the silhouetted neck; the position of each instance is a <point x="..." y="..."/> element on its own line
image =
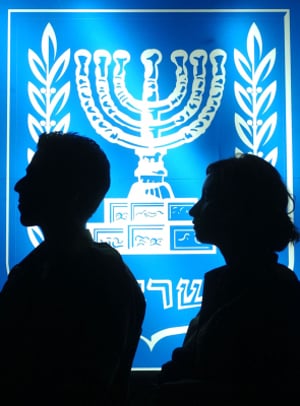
<point x="66" y="236"/>
<point x="251" y="260"/>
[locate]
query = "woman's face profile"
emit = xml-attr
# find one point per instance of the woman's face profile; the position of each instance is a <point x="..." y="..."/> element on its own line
<point x="208" y="212"/>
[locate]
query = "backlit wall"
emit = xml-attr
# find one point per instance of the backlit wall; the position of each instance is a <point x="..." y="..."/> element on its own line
<point x="164" y="90"/>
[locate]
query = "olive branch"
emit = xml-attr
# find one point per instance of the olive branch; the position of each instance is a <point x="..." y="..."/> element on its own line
<point x="47" y="96"/>
<point x="256" y="126"/>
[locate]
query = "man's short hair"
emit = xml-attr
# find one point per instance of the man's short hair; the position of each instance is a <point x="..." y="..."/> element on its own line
<point x="80" y="164"/>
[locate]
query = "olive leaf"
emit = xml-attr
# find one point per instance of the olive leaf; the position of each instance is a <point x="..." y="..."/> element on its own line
<point x="255" y="124"/>
<point x="48" y="96"/>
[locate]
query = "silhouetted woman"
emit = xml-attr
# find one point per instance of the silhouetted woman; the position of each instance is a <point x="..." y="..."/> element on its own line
<point x="243" y="345"/>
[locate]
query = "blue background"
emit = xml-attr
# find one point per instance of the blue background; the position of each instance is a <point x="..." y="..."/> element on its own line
<point x="186" y="164"/>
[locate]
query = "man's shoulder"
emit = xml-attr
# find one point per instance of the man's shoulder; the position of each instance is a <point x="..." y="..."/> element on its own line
<point x="106" y="249"/>
<point x="102" y="259"/>
<point x="104" y="253"/>
<point x="107" y="268"/>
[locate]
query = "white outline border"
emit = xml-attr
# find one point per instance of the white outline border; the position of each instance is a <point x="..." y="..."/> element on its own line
<point x="288" y="95"/>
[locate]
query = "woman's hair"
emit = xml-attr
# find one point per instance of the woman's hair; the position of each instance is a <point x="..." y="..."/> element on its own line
<point x="253" y="190"/>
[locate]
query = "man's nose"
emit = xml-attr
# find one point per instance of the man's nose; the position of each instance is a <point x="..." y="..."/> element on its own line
<point x="18" y="185"/>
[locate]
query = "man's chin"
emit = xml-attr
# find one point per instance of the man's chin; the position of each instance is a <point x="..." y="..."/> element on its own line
<point x="26" y="221"/>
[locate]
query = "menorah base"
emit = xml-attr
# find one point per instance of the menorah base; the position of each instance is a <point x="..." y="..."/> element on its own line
<point x="149" y="227"/>
<point x="145" y="191"/>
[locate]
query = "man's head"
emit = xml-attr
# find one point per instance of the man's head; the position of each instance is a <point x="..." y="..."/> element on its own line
<point x="244" y="198"/>
<point x="68" y="177"/>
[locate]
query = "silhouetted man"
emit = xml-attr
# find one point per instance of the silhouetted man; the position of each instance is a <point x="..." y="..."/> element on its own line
<point x="70" y="312"/>
<point x="243" y="346"/>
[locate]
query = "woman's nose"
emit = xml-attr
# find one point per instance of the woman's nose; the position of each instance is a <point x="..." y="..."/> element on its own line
<point x="194" y="209"/>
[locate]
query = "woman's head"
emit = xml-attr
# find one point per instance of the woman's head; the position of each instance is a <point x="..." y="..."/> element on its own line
<point x="245" y="199"/>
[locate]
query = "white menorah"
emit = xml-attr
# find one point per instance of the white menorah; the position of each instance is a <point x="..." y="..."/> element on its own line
<point x="145" y="133"/>
<point x="150" y="126"/>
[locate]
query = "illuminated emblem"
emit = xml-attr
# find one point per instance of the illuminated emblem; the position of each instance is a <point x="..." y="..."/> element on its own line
<point x="150" y="217"/>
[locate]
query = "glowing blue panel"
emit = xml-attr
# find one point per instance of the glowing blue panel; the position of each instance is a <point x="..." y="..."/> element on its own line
<point x="164" y="94"/>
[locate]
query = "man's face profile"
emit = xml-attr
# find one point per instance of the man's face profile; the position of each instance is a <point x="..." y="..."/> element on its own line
<point x="37" y="191"/>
